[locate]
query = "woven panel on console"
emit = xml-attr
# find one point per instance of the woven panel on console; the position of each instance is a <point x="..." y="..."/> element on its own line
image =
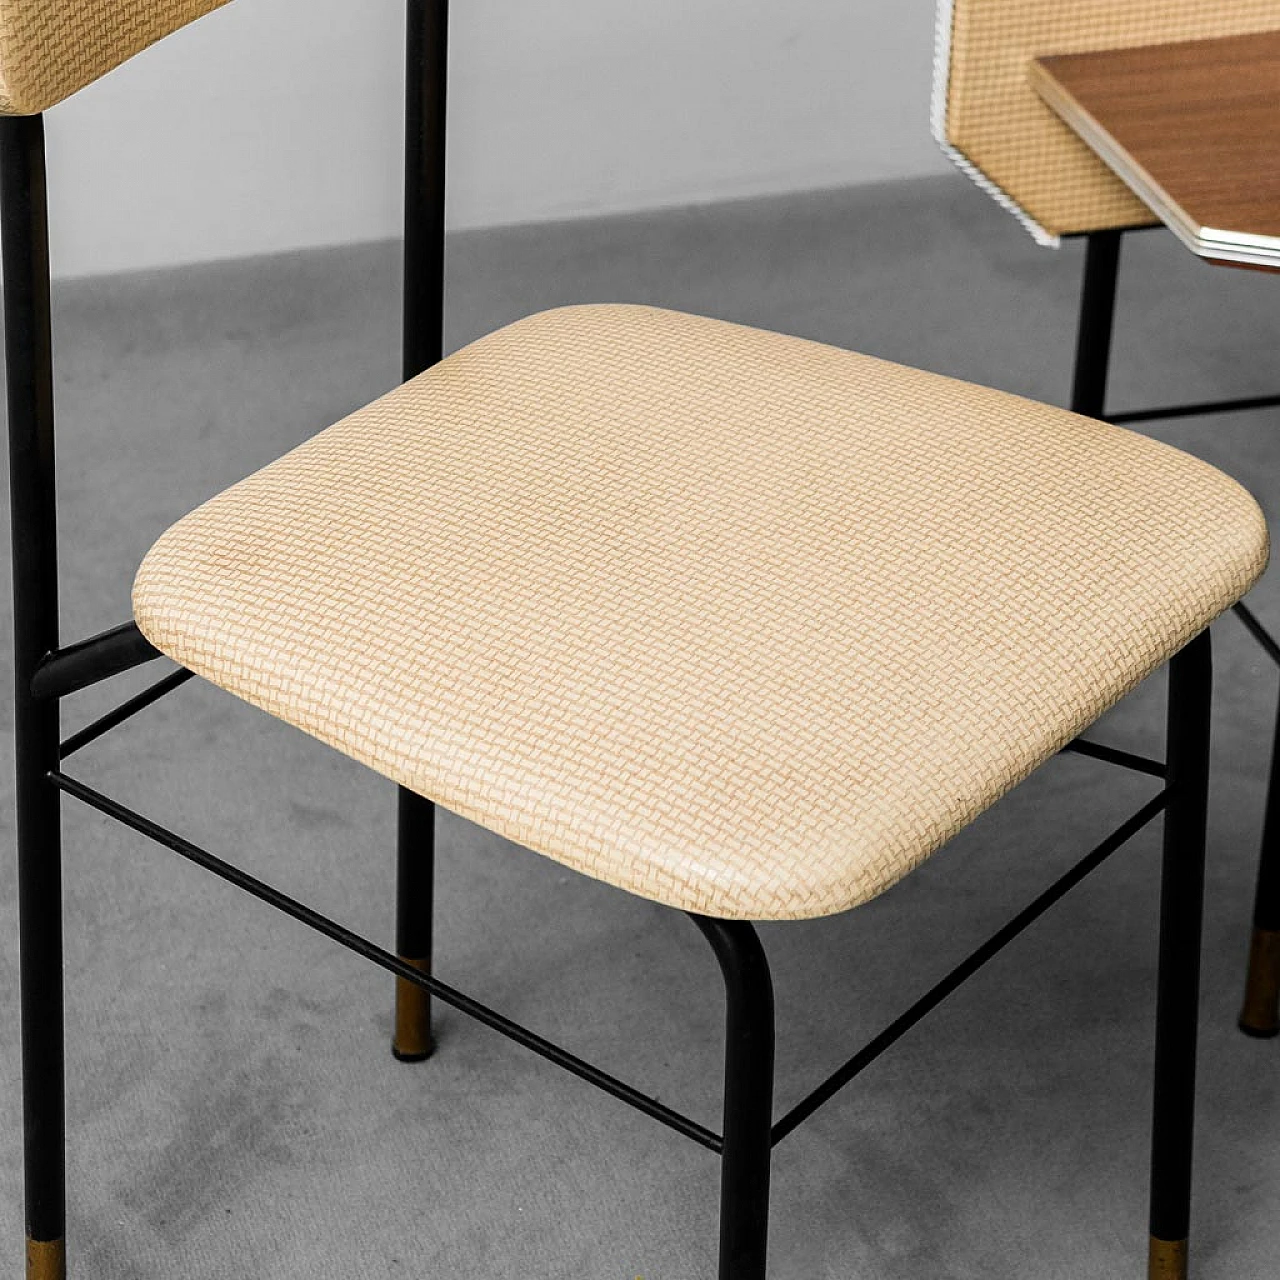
<point x="739" y="622"/>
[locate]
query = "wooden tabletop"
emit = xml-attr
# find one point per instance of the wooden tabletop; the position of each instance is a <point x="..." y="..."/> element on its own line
<point x="1193" y="128"/>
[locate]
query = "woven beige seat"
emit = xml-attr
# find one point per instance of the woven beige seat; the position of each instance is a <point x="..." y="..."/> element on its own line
<point x="739" y="622"/>
<point x="995" y="126"/>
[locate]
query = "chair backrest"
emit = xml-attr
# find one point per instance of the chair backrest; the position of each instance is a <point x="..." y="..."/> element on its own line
<point x="51" y="48"/>
<point x="991" y="122"/>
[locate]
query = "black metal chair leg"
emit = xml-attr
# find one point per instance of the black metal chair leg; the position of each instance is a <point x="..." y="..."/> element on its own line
<point x="415" y="891"/>
<point x="748" y="1098"/>
<point x="426" y="62"/>
<point x="1182" y="890"/>
<point x="1177" y="1010"/>
<point x="1260" y="1014"/>
<point x="1097" y="314"/>
<point x="29" y="354"/>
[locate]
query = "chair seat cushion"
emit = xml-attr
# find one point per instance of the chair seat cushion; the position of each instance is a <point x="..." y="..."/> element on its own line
<point x="739" y="622"/>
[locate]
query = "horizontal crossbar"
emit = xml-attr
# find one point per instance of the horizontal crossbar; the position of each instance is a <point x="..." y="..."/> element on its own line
<point x="79" y="665"/>
<point x="562" y="1057"/>
<point x="1141" y="226"/>
<point x="371" y="951"/>
<point x="1113" y="755"/>
<point x="1257" y="630"/>
<point x="966" y="969"/>
<point x="1202" y="409"/>
<point x="118" y="715"/>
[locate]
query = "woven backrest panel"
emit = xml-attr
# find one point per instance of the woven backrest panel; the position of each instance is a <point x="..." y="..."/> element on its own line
<point x="49" y="49"/>
<point x="991" y="121"/>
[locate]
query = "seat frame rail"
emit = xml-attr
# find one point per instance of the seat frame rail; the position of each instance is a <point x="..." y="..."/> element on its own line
<point x="505" y="1026"/>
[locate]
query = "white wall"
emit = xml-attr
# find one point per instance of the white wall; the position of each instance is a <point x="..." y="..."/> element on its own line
<point x="275" y="124"/>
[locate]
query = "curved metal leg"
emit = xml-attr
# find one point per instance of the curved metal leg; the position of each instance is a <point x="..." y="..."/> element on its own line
<point x="748" y="1098"/>
<point x="1177" y="1010"/>
<point x="28" y="348"/>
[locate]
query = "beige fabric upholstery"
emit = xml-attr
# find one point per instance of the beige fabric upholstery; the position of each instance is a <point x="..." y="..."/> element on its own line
<point x="49" y="49"/>
<point x="739" y="622"/>
<point x="993" y="123"/>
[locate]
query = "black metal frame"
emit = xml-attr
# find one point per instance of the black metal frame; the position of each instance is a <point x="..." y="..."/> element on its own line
<point x="426" y="90"/>
<point x="1260" y="1014"/>
<point x="47" y="673"/>
<point x="29" y="356"/>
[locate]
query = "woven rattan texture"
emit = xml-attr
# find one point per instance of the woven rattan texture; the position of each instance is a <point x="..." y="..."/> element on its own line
<point x="49" y="49"/>
<point x="742" y="623"/>
<point x="999" y="124"/>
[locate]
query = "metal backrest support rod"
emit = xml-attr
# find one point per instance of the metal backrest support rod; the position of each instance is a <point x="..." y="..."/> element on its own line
<point x="426" y="79"/>
<point x="29" y="355"/>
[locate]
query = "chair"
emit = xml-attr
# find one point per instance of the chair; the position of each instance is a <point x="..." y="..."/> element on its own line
<point x="993" y="125"/>
<point x="739" y="623"/>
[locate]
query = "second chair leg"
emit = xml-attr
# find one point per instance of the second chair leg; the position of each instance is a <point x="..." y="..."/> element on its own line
<point x="415" y="891"/>
<point x="748" y="1098"/>
<point x="1177" y="1009"/>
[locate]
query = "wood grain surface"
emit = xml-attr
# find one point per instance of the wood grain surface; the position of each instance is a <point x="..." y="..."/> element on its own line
<point x="1193" y="127"/>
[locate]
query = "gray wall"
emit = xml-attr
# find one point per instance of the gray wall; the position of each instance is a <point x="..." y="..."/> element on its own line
<point x="274" y="124"/>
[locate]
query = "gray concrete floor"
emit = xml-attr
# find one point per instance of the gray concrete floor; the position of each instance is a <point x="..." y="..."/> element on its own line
<point x="233" y="1109"/>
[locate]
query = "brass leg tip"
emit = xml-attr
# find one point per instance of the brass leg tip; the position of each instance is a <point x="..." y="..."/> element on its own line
<point x="46" y="1260"/>
<point x="1168" y="1260"/>
<point x="412" y="1041"/>
<point x="1260" y="1016"/>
